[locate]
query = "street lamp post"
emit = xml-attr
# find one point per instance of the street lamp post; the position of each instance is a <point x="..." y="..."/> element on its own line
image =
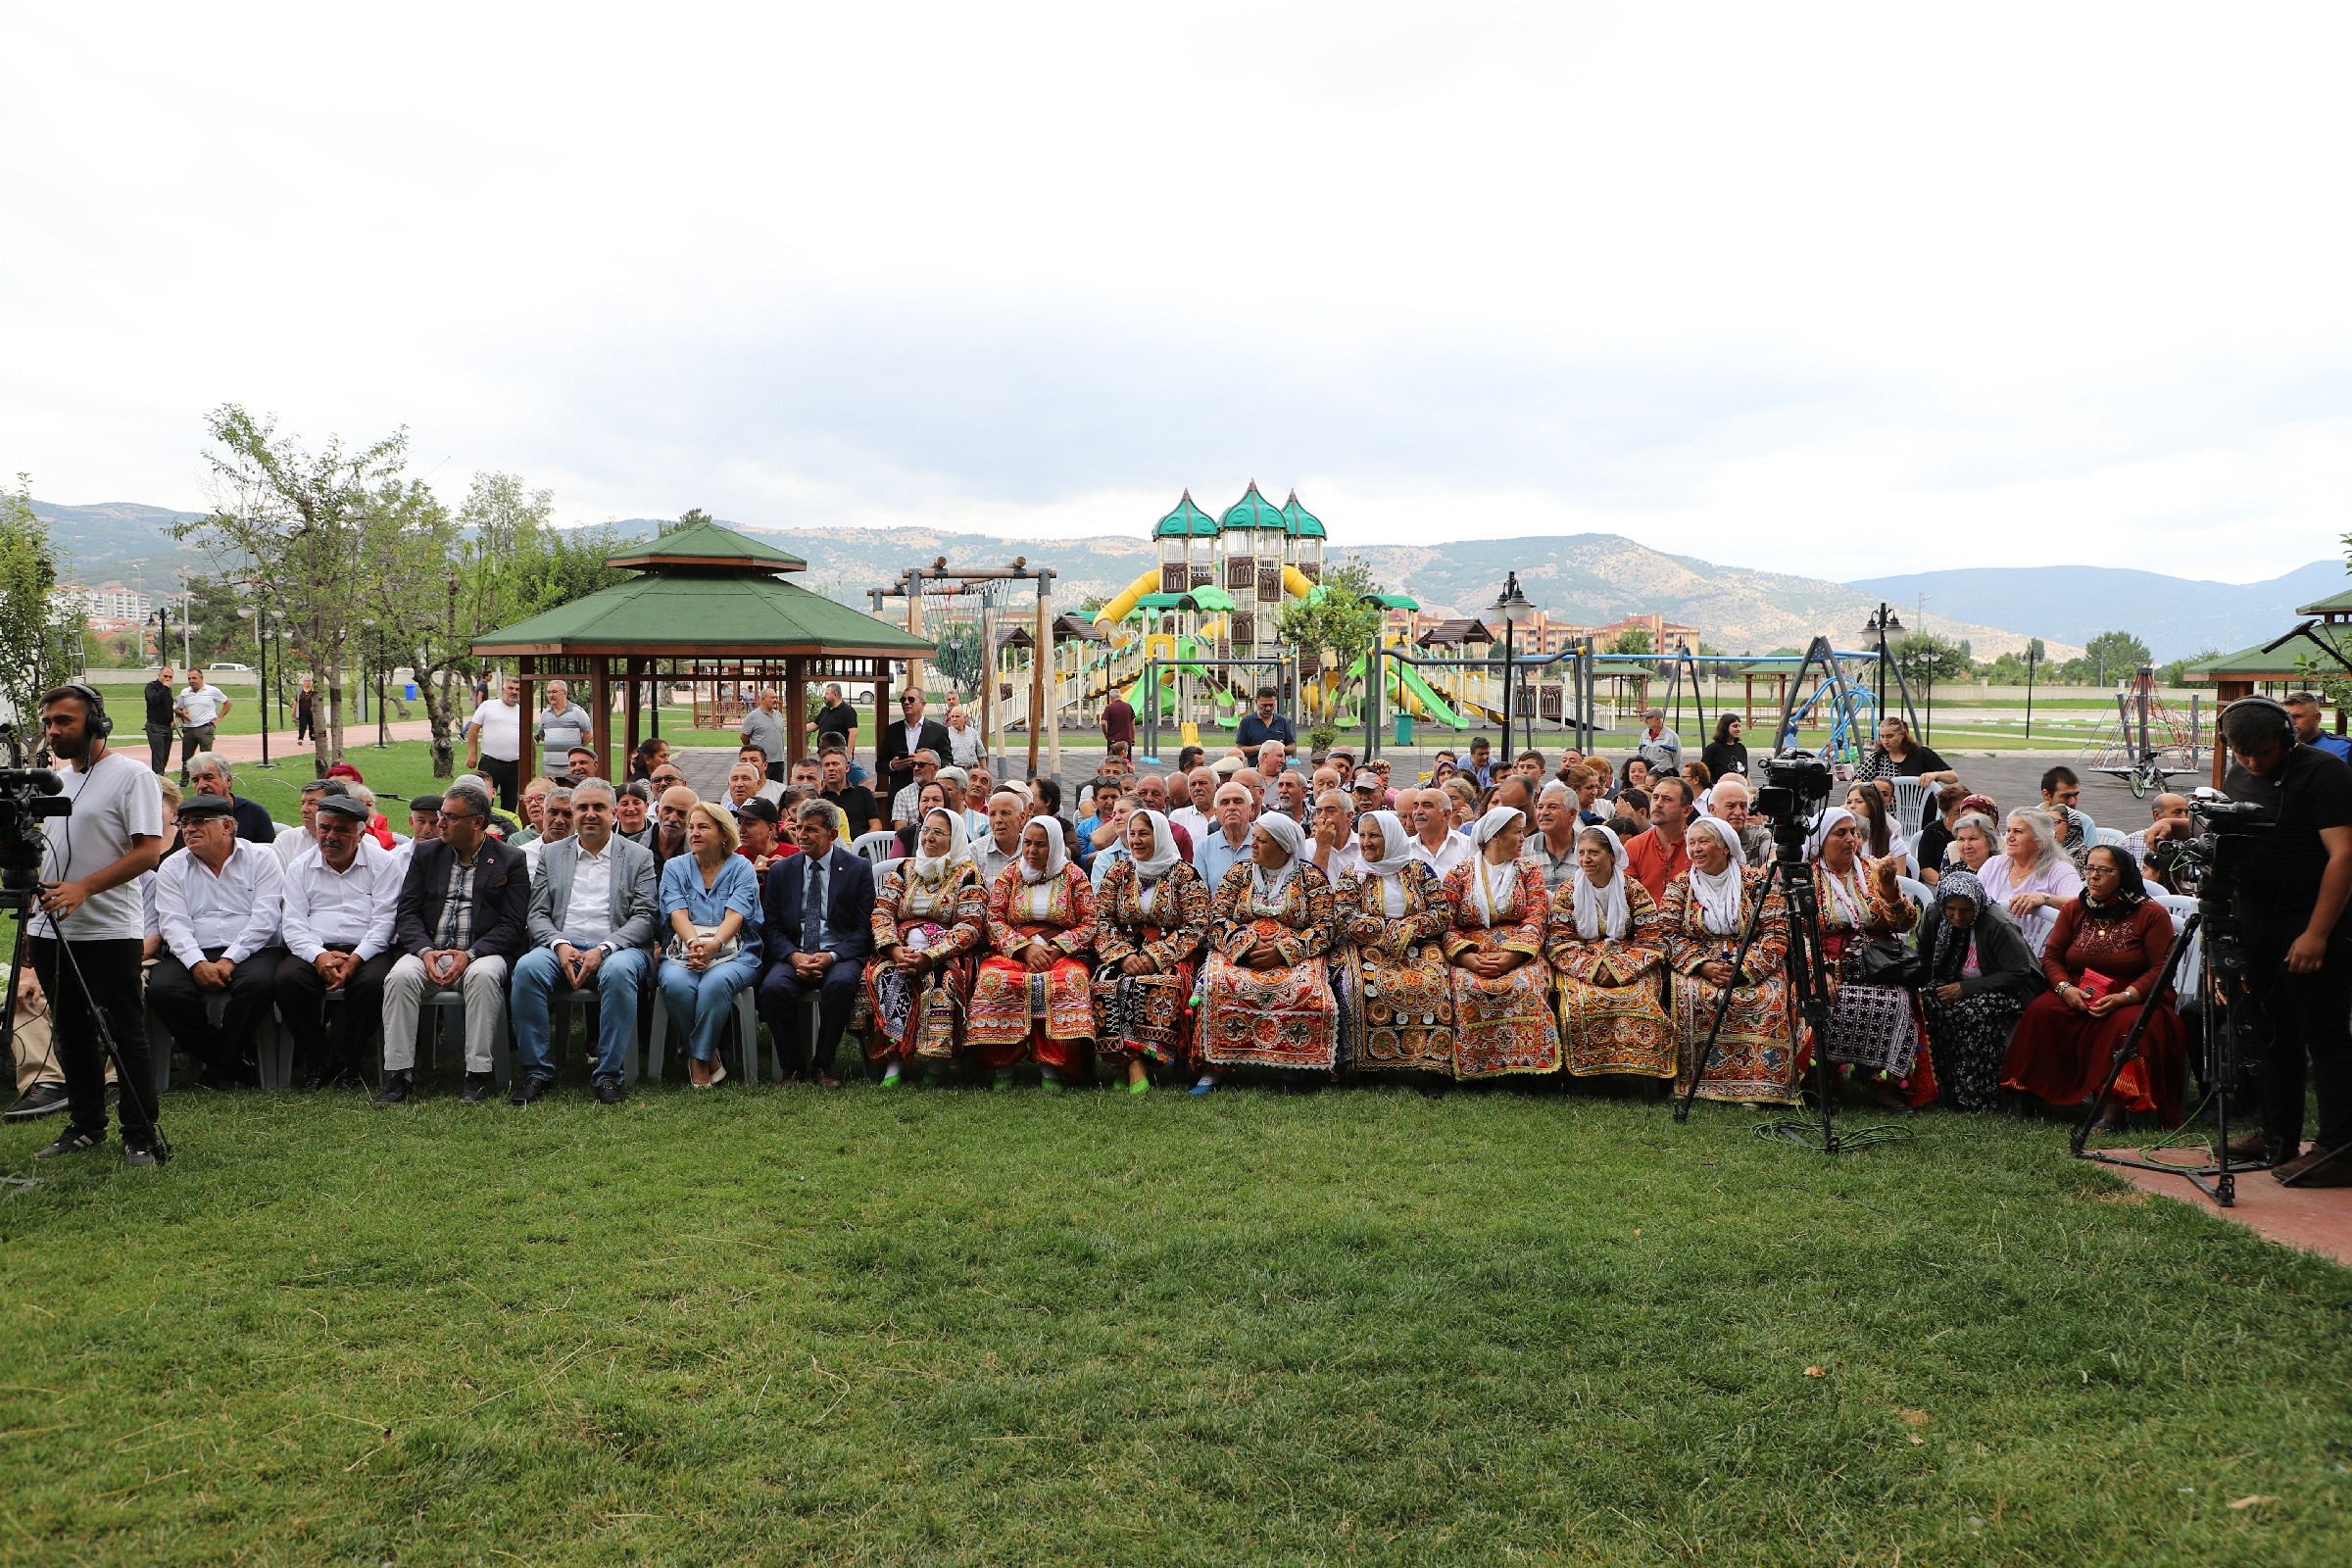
<point x="1513" y="606"/>
<point x="260" y="676"/>
<point x="1879" y="625"/>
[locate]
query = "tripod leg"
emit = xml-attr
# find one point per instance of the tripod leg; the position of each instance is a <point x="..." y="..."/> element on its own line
<point x="2130" y="1048"/>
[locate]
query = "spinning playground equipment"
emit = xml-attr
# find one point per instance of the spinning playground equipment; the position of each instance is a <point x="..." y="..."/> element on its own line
<point x="2151" y="742"/>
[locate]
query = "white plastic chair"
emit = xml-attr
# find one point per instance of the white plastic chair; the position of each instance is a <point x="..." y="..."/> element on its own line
<point x="2116" y="838"/>
<point x="2181" y="906"/>
<point x="2035" y="928"/>
<point x="1918" y="892"/>
<point x="875" y="847"/>
<point x="1910" y="804"/>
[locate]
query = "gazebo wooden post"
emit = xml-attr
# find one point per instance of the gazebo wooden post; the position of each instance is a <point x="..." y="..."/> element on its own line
<point x="1748" y="704"/>
<point x="527" y="753"/>
<point x="1039" y="653"/>
<point x="796" y="706"/>
<point x="632" y="701"/>
<point x="600" y="711"/>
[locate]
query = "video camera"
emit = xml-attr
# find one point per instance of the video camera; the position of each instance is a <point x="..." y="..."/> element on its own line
<point x="27" y="795"/>
<point x="1795" y="787"/>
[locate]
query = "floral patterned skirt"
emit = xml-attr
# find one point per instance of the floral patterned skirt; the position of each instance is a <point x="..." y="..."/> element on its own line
<point x="921" y="1019"/>
<point x="1615" y="1029"/>
<point x="1504" y="1025"/>
<point x="1755" y="1056"/>
<point x="1399" y="1013"/>
<point x="1010" y="1002"/>
<point x="1283" y="1017"/>
<point x="1146" y="1015"/>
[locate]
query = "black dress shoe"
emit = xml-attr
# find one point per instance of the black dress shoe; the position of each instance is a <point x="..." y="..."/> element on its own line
<point x="319" y="1078"/>
<point x="70" y="1142"/>
<point x="223" y="1079"/>
<point x="41" y="1099"/>
<point x="479" y="1085"/>
<point x="395" y="1090"/>
<point x="530" y="1092"/>
<point x="609" y="1093"/>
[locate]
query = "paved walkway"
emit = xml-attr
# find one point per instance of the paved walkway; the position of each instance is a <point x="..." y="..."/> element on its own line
<point x="282" y="745"/>
<point x="2310" y="1219"/>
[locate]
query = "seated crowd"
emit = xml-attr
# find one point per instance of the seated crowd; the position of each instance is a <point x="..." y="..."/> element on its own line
<point x="1561" y="917"/>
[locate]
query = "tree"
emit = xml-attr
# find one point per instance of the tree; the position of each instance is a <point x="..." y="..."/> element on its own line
<point x="2112" y="655"/>
<point x="220" y="625"/>
<point x="1634" y="640"/>
<point x="39" y="638"/>
<point x="1340" y="619"/>
<point x="689" y="519"/>
<point x="294" y="524"/>
<point x="1926" y="658"/>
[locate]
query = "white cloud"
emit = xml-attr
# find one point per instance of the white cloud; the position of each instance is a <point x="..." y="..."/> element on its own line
<point x="1839" y="290"/>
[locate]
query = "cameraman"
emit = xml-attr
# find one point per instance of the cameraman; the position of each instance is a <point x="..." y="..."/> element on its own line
<point x="90" y="895"/>
<point x="2295" y="877"/>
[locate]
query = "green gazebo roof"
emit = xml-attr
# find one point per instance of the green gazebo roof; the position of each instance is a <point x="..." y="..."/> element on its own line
<point x="1187" y="521"/>
<point x="2252" y="664"/>
<point x="1252" y="510"/>
<point x="1301" y="523"/>
<point x="706" y="590"/>
<point x="2337" y="604"/>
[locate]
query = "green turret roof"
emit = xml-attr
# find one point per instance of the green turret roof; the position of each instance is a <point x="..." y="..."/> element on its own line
<point x="1252" y="510"/>
<point x="1187" y="521"/>
<point x="1301" y="523"/>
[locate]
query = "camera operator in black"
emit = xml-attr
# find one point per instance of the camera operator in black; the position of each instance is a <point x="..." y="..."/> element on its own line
<point x="2293" y="883"/>
<point x="89" y="894"/>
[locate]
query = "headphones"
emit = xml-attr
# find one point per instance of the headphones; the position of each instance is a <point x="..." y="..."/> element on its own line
<point x="2286" y="720"/>
<point x="100" y="726"/>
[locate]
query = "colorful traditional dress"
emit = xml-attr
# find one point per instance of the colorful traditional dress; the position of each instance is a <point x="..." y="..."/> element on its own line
<point x="1867" y="1022"/>
<point x="1165" y="919"/>
<point x="933" y="907"/>
<point x="1397" y="994"/>
<point x="1756" y="1054"/>
<point x="1609" y="962"/>
<point x="1280" y="1017"/>
<point x="1503" y="1024"/>
<point x="1018" y="1011"/>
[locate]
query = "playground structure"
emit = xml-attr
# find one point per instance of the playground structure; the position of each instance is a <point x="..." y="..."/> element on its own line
<point x="2152" y="741"/>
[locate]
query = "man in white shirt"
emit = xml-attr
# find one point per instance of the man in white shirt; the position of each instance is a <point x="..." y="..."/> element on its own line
<point x="216" y="911"/>
<point x="293" y="843"/>
<point x="562" y="724"/>
<point x="494" y="742"/>
<point x="1226" y="844"/>
<point x="555" y="826"/>
<point x="1332" y="848"/>
<point x="594" y="910"/>
<point x="200" y="707"/>
<point x="1436" y="843"/>
<point x="1001" y="845"/>
<point x="341" y="900"/>
<point x="1194" y="815"/>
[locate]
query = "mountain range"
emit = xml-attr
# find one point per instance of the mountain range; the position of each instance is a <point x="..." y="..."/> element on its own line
<point x="1591" y="578"/>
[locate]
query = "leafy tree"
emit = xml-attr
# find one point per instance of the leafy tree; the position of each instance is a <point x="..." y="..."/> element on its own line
<point x="220" y="625"/>
<point x="294" y="523"/>
<point x="1338" y="621"/>
<point x="40" y="640"/>
<point x="2113" y="654"/>
<point x="1926" y="658"/>
<point x="687" y="520"/>
<point x="1634" y="640"/>
<point x="2176" y="673"/>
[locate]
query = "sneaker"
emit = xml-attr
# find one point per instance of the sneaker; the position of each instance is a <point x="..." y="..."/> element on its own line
<point x="478" y="1087"/>
<point x="609" y="1093"/>
<point x="70" y="1142"/>
<point x="140" y="1159"/>
<point x="395" y="1091"/>
<point x="530" y="1092"/>
<point x="41" y="1099"/>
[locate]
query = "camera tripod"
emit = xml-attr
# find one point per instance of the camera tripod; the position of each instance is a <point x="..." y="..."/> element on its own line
<point x="1805" y="967"/>
<point x="22" y="901"/>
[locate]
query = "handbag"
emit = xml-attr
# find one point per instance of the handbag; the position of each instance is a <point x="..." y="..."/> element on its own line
<point x="724" y="950"/>
<point x="1886" y="961"/>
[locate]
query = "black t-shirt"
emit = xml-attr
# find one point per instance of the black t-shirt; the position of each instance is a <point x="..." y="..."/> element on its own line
<point x="839" y="718"/>
<point x="2310" y="791"/>
<point x="1725" y="756"/>
<point x="856" y="803"/>
<point x="159" y="705"/>
<point x="1934" y="839"/>
<point x="1919" y="760"/>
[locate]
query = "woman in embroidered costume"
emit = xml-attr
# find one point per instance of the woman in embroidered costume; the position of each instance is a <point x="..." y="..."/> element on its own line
<point x="1975" y="977"/>
<point x="1397" y="1001"/>
<point x="1607" y="946"/>
<point x="2101" y="961"/>
<point x="1265" y="997"/>
<point x="1153" y="911"/>
<point x="930" y="917"/>
<point x="1707" y="910"/>
<point x="1032" y="994"/>
<point x="1501" y="987"/>
<point x="1861" y="904"/>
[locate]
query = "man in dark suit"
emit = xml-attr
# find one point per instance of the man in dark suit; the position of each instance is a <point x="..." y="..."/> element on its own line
<point x="895" y="744"/>
<point x="816" y="913"/>
<point x="465" y="918"/>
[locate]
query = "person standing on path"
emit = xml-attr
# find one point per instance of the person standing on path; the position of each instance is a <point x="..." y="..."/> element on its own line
<point x="200" y="707"/>
<point x="1118" y="722"/>
<point x="763" y="726"/>
<point x="161" y="715"/>
<point x="306" y="712"/>
<point x="494" y="741"/>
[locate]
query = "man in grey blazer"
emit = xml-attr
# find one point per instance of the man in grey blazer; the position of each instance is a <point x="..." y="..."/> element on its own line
<point x="593" y="915"/>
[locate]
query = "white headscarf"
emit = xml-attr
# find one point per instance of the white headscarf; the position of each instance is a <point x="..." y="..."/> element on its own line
<point x="1163" y="859"/>
<point x="1287" y="833"/>
<point x="1840" y="894"/>
<point x="1823" y="827"/>
<point x="1601" y="910"/>
<point x="1491" y="885"/>
<point x="1056" y="856"/>
<point x="1395" y="844"/>
<point x="1718" y="896"/>
<point x="935" y="867"/>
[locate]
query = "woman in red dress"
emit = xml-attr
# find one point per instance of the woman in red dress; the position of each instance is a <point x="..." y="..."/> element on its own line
<point x="2102" y="960"/>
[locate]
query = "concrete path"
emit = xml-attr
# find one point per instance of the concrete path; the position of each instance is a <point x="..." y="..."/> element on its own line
<point x="2310" y="1219"/>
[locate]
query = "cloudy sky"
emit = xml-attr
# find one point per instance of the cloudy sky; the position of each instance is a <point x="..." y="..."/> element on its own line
<point x="1845" y="291"/>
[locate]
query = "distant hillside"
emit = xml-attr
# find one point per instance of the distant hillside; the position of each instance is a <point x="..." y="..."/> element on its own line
<point x="120" y="541"/>
<point x="2175" y="617"/>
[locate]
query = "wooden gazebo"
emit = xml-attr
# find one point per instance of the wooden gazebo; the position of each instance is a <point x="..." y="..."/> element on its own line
<point x="708" y="604"/>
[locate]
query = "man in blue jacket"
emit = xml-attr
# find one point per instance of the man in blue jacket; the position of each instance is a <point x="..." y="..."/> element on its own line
<point x="1265" y="725"/>
<point x="817" y="911"/>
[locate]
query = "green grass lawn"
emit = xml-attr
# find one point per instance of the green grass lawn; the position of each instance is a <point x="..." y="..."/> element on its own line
<point x="951" y="1326"/>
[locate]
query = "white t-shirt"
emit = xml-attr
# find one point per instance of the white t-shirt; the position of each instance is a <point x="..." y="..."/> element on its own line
<point x="200" y="707"/>
<point x="500" y="724"/>
<point x="114" y="802"/>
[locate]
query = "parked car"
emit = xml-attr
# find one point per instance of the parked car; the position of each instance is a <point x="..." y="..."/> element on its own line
<point x="242" y="669"/>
